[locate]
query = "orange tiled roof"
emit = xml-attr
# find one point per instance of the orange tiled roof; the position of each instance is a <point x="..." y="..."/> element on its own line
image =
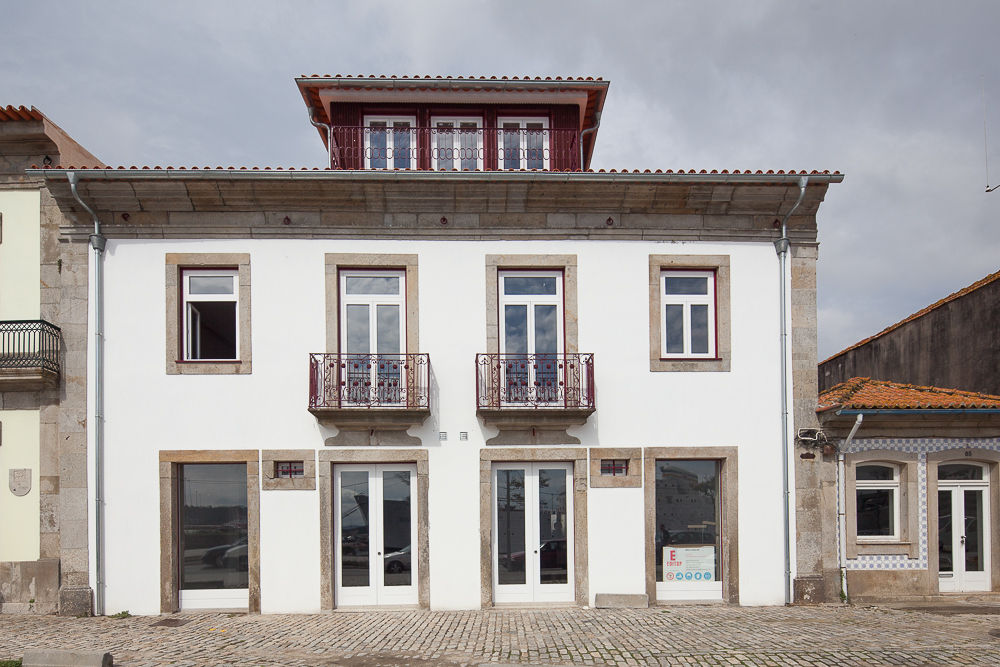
<point x="920" y="313"/>
<point x="12" y="113"/>
<point x="868" y="394"/>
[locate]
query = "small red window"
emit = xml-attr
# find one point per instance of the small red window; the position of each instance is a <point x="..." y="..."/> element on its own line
<point x="288" y="469"/>
<point x="614" y="467"/>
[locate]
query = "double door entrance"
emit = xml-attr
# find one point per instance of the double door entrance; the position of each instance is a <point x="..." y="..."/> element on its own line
<point x="963" y="527"/>
<point x="375" y="546"/>
<point x="532" y="532"/>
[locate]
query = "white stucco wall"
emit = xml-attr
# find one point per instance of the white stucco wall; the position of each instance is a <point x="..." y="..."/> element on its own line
<point x="19" y="515"/>
<point x="148" y="410"/>
<point x="20" y="255"/>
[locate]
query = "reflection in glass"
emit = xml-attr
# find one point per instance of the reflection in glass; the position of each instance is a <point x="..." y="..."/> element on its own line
<point x="378" y="145"/>
<point x="511" y="146"/>
<point x="371" y="284"/>
<point x="210" y="285"/>
<point x="536" y="146"/>
<point x="546" y="364"/>
<point x="358" y="332"/>
<point x="552" y="550"/>
<point x="945" y="561"/>
<point x="401" y="145"/>
<point x="675" y="329"/>
<point x="959" y="471"/>
<point x="973" y="531"/>
<point x="510" y="527"/>
<point x="685" y="285"/>
<point x="389" y="368"/>
<point x="354" y="533"/>
<point x="688" y="512"/>
<point x="877" y="473"/>
<point x="520" y="285"/>
<point x="876" y="516"/>
<point x="699" y="329"/>
<point x="213" y="526"/>
<point x="445" y="150"/>
<point x="470" y="146"/>
<point x="396" y="528"/>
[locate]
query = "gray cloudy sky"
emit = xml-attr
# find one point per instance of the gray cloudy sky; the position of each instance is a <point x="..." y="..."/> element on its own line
<point x="890" y="93"/>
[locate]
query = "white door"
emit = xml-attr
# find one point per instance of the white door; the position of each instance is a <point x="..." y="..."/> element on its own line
<point x="963" y="527"/>
<point x="533" y="532"/>
<point x="373" y="337"/>
<point x="375" y="534"/>
<point x="531" y="336"/>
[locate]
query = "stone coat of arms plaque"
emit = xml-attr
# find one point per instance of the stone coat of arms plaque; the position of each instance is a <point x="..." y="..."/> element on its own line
<point x="20" y="481"/>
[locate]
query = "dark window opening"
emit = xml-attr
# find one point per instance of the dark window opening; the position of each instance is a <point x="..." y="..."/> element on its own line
<point x="614" y="467"/>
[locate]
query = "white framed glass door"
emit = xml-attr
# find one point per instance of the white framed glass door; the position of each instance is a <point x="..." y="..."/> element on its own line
<point x="531" y="336"/>
<point x="373" y="337"/>
<point x="533" y="532"/>
<point x="375" y="535"/>
<point x="963" y="527"/>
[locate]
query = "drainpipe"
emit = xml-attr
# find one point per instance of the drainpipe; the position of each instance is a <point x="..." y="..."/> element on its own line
<point x="842" y="506"/>
<point x="597" y="124"/>
<point x="329" y="137"/>
<point x="781" y="246"/>
<point x="98" y="243"/>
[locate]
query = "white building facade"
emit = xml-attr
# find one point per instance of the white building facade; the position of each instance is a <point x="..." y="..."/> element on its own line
<point x="443" y="388"/>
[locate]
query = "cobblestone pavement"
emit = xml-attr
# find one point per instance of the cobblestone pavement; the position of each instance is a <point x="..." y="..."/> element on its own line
<point x="689" y="635"/>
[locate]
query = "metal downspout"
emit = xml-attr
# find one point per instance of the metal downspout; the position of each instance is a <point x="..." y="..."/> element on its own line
<point x="842" y="508"/>
<point x="329" y="138"/>
<point x="597" y="124"/>
<point x="98" y="243"/>
<point x="781" y="246"/>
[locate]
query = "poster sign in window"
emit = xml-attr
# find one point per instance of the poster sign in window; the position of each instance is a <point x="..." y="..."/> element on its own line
<point x="689" y="564"/>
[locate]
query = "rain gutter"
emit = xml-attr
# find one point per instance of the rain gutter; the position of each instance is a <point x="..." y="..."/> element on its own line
<point x="597" y="124"/>
<point x="98" y="242"/>
<point x="329" y="136"/>
<point x="842" y="508"/>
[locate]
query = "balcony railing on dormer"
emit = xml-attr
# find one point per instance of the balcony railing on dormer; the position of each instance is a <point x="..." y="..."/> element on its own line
<point x="543" y="381"/>
<point x="378" y="381"/>
<point x="447" y="149"/>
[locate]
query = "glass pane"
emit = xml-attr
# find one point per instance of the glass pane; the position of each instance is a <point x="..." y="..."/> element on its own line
<point x="445" y="147"/>
<point x="377" y="145"/>
<point x="959" y="471"/>
<point x="546" y="364"/>
<point x="212" y="329"/>
<point x="516" y="370"/>
<point x="372" y="285"/>
<point x="470" y="146"/>
<point x="213" y="539"/>
<point x="511" y="146"/>
<point x="875" y="512"/>
<point x="510" y="527"/>
<point x="210" y="285"/>
<point x="515" y="323"/>
<point x="536" y="146"/>
<point x="675" y="329"/>
<point x="687" y="520"/>
<point x="396" y="528"/>
<point x="354" y="535"/>
<point x="870" y="472"/>
<point x="401" y="145"/>
<point x="389" y="363"/>
<point x="529" y="285"/>
<point x="552" y="549"/>
<point x="388" y="329"/>
<point x="699" y="329"/>
<point x="686" y="285"/>
<point x="945" y="561"/>
<point x="974" y="560"/>
<point x="546" y="330"/>
<point x="358" y="329"/>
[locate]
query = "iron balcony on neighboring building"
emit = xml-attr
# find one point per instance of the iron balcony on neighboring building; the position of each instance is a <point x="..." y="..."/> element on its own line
<point x="29" y="355"/>
<point x="362" y="391"/>
<point x="535" y="397"/>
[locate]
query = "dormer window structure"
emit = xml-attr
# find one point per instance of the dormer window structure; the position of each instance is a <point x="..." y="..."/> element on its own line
<point x="451" y="124"/>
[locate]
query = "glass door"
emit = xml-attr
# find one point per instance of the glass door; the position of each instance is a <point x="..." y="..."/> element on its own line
<point x="373" y="326"/>
<point x="963" y="528"/>
<point x="375" y="534"/>
<point x="533" y="532"/>
<point x="531" y="336"/>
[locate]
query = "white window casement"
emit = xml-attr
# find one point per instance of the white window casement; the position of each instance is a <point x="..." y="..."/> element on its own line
<point x="877" y="496"/>
<point x="531" y="335"/>
<point x="373" y="335"/>
<point x="688" y="313"/>
<point x="210" y="314"/>
<point x="457" y="143"/>
<point x="523" y="143"/>
<point x="390" y="142"/>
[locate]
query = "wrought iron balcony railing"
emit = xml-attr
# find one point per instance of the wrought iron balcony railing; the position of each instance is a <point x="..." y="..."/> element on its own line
<point x="28" y="344"/>
<point x="454" y="148"/>
<point x="384" y="381"/>
<point x="555" y="381"/>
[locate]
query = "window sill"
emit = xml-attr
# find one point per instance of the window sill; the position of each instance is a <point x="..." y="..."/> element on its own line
<point x="218" y="367"/>
<point x="689" y="365"/>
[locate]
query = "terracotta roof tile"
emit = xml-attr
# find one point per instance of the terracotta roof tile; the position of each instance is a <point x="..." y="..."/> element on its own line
<point x="735" y="172"/>
<point x="920" y="313"/>
<point x="12" y="113"/>
<point x="868" y="394"/>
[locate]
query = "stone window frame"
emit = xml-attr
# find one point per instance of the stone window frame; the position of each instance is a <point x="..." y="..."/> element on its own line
<point x="908" y="542"/>
<point x="567" y="264"/>
<point x="408" y="263"/>
<point x="723" y="313"/>
<point x="270" y="457"/>
<point x="728" y="458"/>
<point x="170" y="462"/>
<point x="576" y="456"/>
<point x="631" y="480"/>
<point x="176" y="263"/>
<point x="967" y="455"/>
<point x="327" y="460"/>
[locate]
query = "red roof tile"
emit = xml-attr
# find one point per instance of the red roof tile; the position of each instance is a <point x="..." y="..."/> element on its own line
<point x="716" y="172"/>
<point x="868" y="394"/>
<point x="920" y="313"/>
<point x="12" y="113"/>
